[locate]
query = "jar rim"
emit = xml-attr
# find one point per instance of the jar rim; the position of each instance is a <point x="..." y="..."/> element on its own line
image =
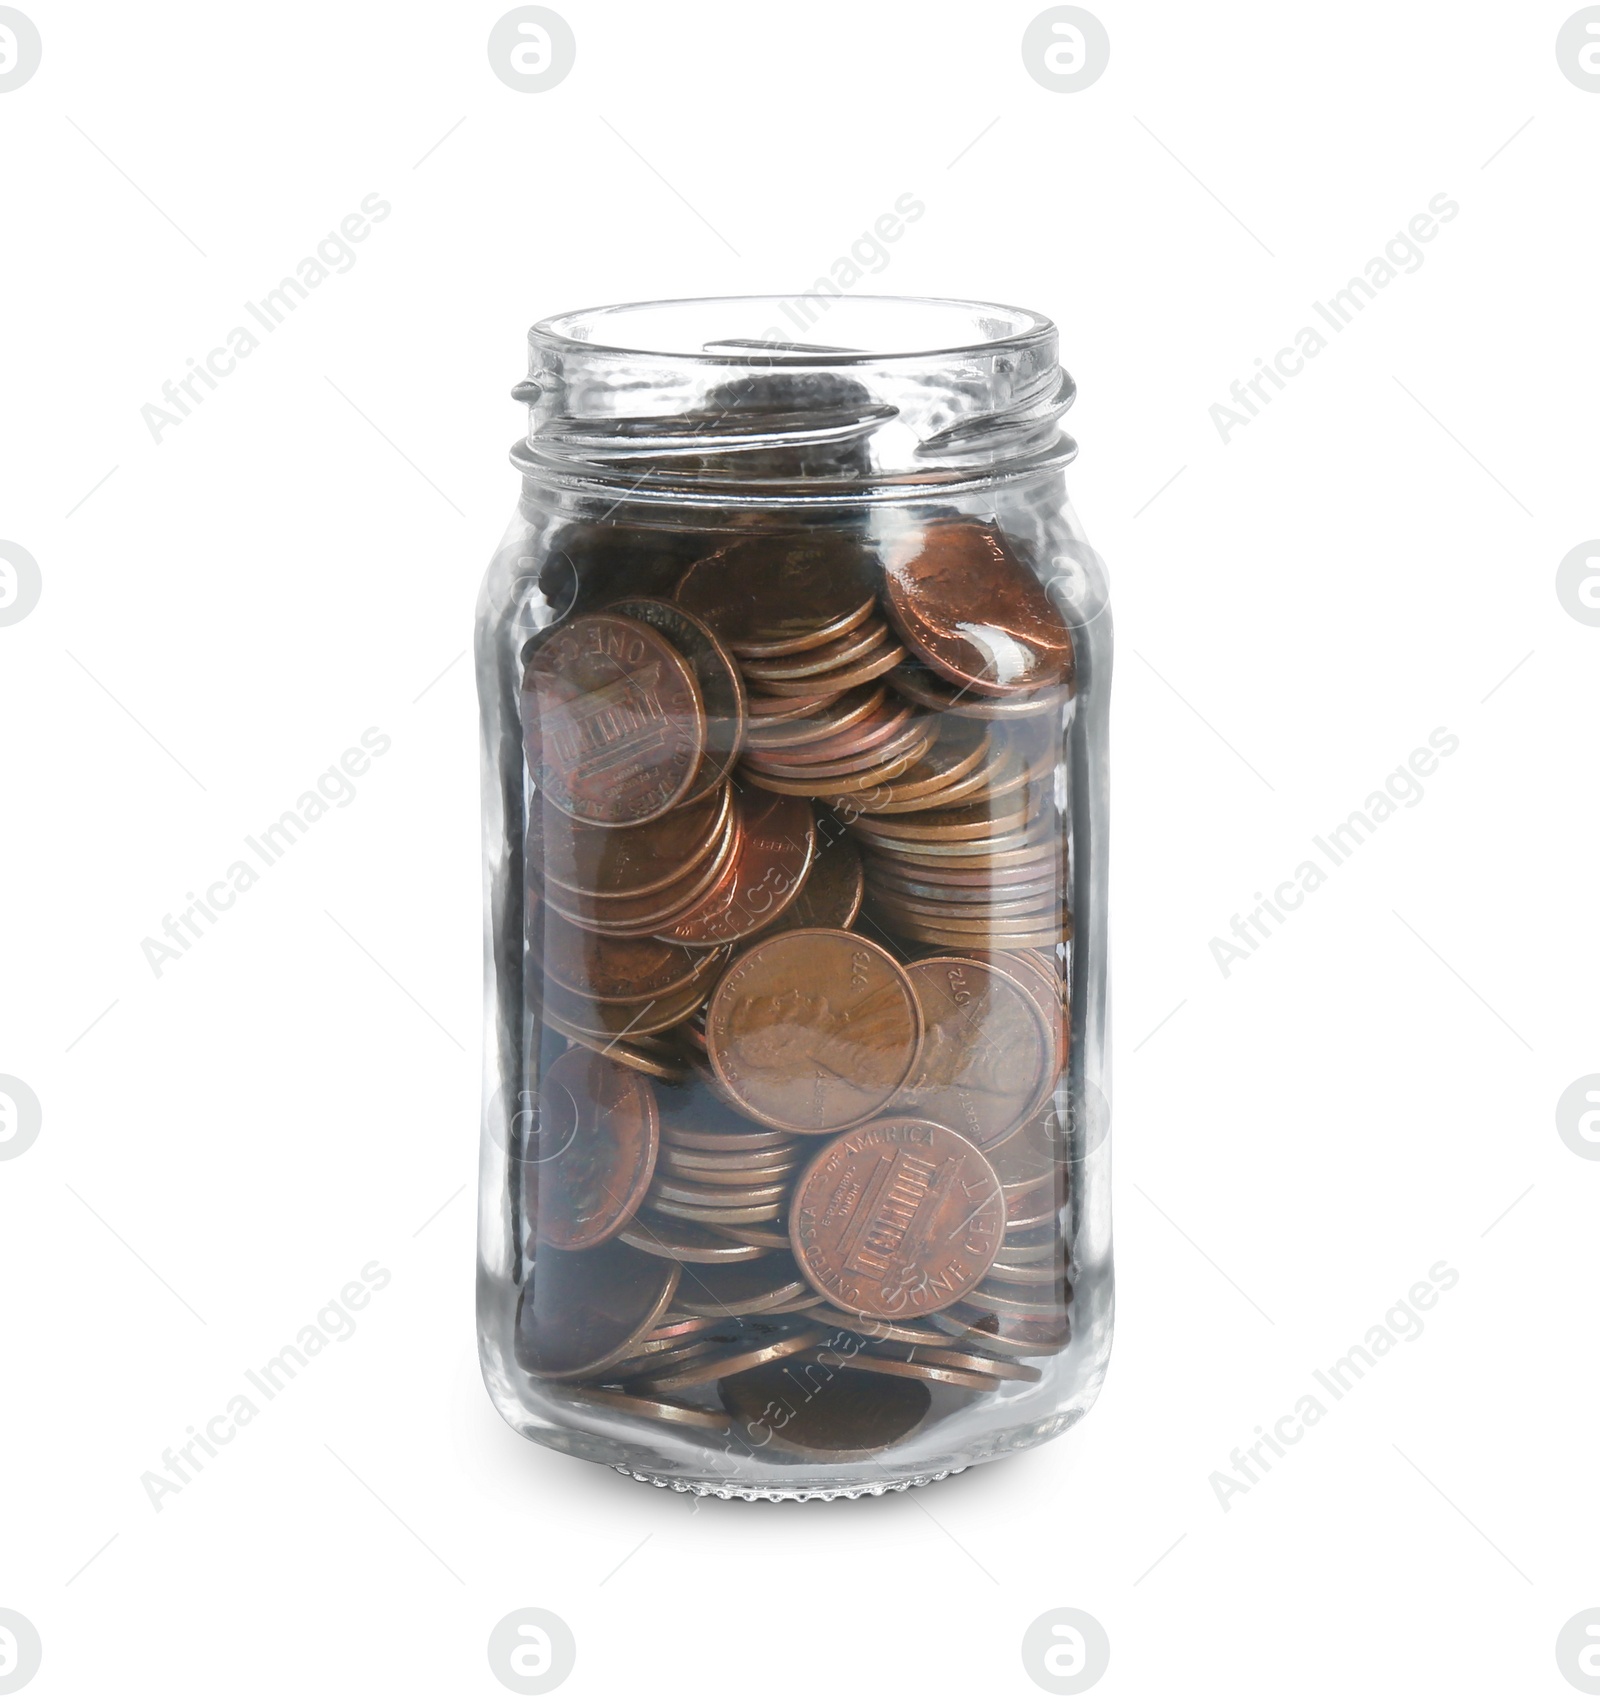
<point x="993" y="326"/>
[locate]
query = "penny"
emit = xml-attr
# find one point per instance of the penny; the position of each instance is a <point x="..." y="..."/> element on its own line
<point x="877" y="1330"/>
<point x="859" y="736"/>
<point x="719" y="1364"/>
<point x="611" y="969"/>
<point x="1016" y="1336"/>
<point x="716" y="674"/>
<point x="1040" y="1305"/>
<point x="895" y="1218"/>
<point x="826" y="772"/>
<point x="981" y="820"/>
<point x="762" y="1286"/>
<point x="589" y="563"/>
<point x="1029" y="834"/>
<point x="710" y="1194"/>
<point x="1030" y="1211"/>
<point x="768" y="1235"/>
<point x="646" y="1055"/>
<point x="984" y="1049"/>
<point x="614" y="1022"/>
<point x="990" y="1365"/>
<point x="738" y="1216"/>
<point x="963" y="601"/>
<point x="876" y="663"/>
<point x="626" y="863"/>
<point x="842" y="786"/>
<point x="893" y="883"/>
<point x="847" y="711"/>
<point x="820" y="659"/>
<point x="973" y="919"/>
<point x="824" y="1409"/>
<point x="613" y="720"/>
<point x="957" y="753"/>
<point x="672" y="1412"/>
<point x="597" y="1149"/>
<point x="693" y="1244"/>
<point x="674" y="1164"/>
<point x="1028" y="1275"/>
<point x="1027" y="1158"/>
<point x="813" y="1030"/>
<point x="831" y="894"/>
<point x="765" y="711"/>
<point x="923" y="1372"/>
<point x="776" y="841"/>
<point x="739" y="1140"/>
<point x="1031" y="865"/>
<point x="641" y="915"/>
<point x="582" y="1312"/>
<point x="776" y="593"/>
<point x="924" y="687"/>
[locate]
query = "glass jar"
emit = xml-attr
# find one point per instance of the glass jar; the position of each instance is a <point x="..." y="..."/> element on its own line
<point x="794" y="667"/>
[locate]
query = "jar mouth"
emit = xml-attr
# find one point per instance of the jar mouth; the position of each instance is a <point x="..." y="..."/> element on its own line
<point x="810" y="329"/>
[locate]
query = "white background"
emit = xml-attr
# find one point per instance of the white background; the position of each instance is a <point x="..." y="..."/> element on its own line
<point x="1371" y="1092"/>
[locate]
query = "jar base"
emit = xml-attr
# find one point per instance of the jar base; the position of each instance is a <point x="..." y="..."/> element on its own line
<point x="784" y="1493"/>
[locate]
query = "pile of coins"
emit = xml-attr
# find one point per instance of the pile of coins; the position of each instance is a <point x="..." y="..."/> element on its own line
<point x="797" y="931"/>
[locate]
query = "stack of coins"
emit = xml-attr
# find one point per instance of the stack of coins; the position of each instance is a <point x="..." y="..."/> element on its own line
<point x="797" y="914"/>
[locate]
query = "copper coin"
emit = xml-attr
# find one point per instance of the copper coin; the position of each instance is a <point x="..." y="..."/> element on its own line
<point x="989" y="871"/>
<point x="983" y="819"/>
<point x="845" y="711"/>
<point x="984" y="1049"/>
<point x="777" y="838"/>
<point x="973" y="919"/>
<point x="841" y="786"/>
<point x="612" y="1022"/>
<point x="642" y="1054"/>
<point x="669" y="1412"/>
<point x="767" y="711"/>
<point x="642" y="914"/>
<point x="877" y="1330"/>
<point x="921" y="1371"/>
<point x="994" y="1366"/>
<point x="862" y="734"/>
<point x="582" y="1312"/>
<point x="716" y="1194"/>
<point x="735" y="1163"/>
<point x="1027" y="1158"/>
<point x="596" y="1149"/>
<point x="768" y="1236"/>
<point x="876" y="663"/>
<point x="775" y="593"/>
<point x="738" y="1216"/>
<point x="692" y="1244"/>
<point x="626" y="863"/>
<point x="895" y="1218"/>
<point x="894" y="884"/>
<point x="923" y="686"/>
<point x="813" y="1030"/>
<point x="613" y="719"/>
<point x="612" y="969"/>
<point x="741" y="1140"/>
<point x="828" y="772"/>
<point x="670" y="1165"/>
<point x="820" y="659"/>
<point x="957" y="752"/>
<point x="1013" y="1336"/>
<point x="965" y="603"/>
<point x="766" y="1285"/>
<point x="1029" y="1276"/>
<point x="831" y="894"/>
<point x="717" y="675"/>
<point x="824" y="1409"/>
<point x="764" y="1348"/>
<point x="1031" y="1211"/>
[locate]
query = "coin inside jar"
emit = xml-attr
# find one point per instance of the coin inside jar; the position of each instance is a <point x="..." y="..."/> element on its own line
<point x="613" y="968"/>
<point x="984" y="1050"/>
<point x="612" y="719"/>
<point x="626" y="863"/>
<point x="596" y="1149"/>
<point x="805" y="1405"/>
<point x="972" y="612"/>
<point x="776" y="841"/>
<point x="581" y="1312"/>
<point x="775" y="593"/>
<point x="896" y="1218"/>
<point x="830" y="896"/>
<point x="813" y="1030"/>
